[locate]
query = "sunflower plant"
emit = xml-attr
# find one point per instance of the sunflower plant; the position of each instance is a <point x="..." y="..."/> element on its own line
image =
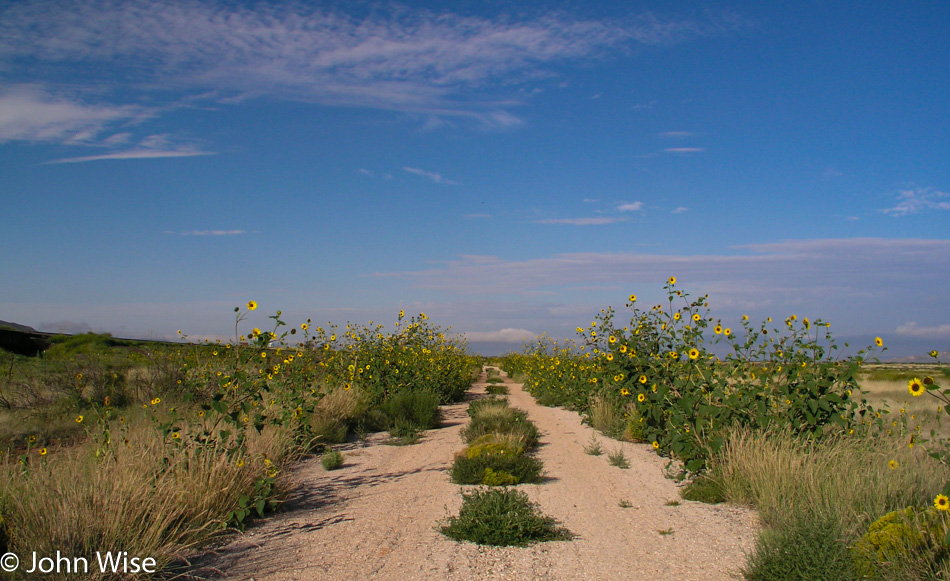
<point x="682" y="398"/>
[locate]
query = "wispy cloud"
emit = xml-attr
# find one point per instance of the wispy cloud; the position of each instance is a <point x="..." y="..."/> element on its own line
<point x="684" y="149"/>
<point x="581" y="221"/>
<point x="208" y="232"/>
<point x="29" y="113"/>
<point x="436" y="64"/>
<point x="917" y="200"/>
<point x="631" y="207"/>
<point x="437" y="178"/>
<point x="913" y="330"/>
<point x="819" y="270"/>
<point x="134" y="154"/>
<point x="680" y="210"/>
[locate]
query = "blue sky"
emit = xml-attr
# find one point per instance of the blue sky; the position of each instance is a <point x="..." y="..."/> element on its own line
<point x="508" y="168"/>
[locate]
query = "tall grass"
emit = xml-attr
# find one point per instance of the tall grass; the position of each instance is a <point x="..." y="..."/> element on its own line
<point x="151" y="499"/>
<point x="818" y="500"/>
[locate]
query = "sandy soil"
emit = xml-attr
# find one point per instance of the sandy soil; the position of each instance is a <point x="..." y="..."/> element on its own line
<point x="377" y="517"/>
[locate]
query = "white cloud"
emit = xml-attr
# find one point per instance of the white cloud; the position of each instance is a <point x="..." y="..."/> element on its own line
<point x="134" y="154"/>
<point x="680" y="210"/>
<point x="913" y="330"/>
<point x="29" y="113"/>
<point x="634" y="207"/>
<point x="502" y="336"/>
<point x="395" y="58"/>
<point x="684" y="149"/>
<point x="208" y="232"/>
<point x="918" y="199"/>
<point x="790" y="270"/>
<point x="581" y="221"/>
<point x="437" y="178"/>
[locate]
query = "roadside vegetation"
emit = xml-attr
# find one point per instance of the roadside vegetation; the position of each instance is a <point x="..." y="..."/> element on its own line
<point x="152" y="449"/>
<point x="850" y="483"/>
<point x="500" y="440"/>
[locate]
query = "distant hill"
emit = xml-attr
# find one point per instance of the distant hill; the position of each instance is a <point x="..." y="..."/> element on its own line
<point x="17" y="327"/>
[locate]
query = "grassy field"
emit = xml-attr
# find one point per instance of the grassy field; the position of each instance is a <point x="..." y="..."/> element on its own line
<point x="155" y="448"/>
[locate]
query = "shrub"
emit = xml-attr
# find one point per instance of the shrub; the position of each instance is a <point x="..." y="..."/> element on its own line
<point x="486" y="465"/>
<point x="607" y="417"/>
<point x="408" y="410"/>
<point x="496" y="417"/>
<point x="514" y="441"/>
<point x="593" y="447"/>
<point x="907" y="542"/>
<point x="617" y="458"/>
<point x="704" y="488"/>
<point x="497" y="389"/>
<point x="501" y="518"/>
<point x="327" y="430"/>
<point x="810" y="549"/>
<point x="332" y="460"/>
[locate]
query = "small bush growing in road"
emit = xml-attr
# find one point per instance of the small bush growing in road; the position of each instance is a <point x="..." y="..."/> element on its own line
<point x="332" y="460"/>
<point x="502" y="518"/>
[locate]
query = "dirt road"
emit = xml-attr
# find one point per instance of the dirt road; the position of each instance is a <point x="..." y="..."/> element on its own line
<point x="377" y="517"/>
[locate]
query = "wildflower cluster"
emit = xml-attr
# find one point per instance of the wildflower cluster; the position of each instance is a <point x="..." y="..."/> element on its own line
<point x="678" y="396"/>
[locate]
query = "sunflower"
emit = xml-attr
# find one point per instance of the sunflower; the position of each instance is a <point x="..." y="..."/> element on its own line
<point x="696" y="317"/>
<point x="625" y="391"/>
<point x="641" y="398"/>
<point x="633" y="298"/>
<point x="304" y="326"/>
<point x="934" y="354"/>
<point x="718" y="329"/>
<point x="942" y="502"/>
<point x="672" y="280"/>
<point x="693" y="353"/>
<point x="727" y="331"/>
<point x="656" y="445"/>
<point x="915" y="387"/>
<point x="43" y="451"/>
<point x="251" y="305"/>
<point x="893" y="464"/>
<point x="879" y="342"/>
<point x="643" y="379"/>
<point x="676" y="316"/>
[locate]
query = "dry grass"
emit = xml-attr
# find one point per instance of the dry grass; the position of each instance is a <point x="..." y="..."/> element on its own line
<point x="848" y="479"/>
<point x="152" y="499"/>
